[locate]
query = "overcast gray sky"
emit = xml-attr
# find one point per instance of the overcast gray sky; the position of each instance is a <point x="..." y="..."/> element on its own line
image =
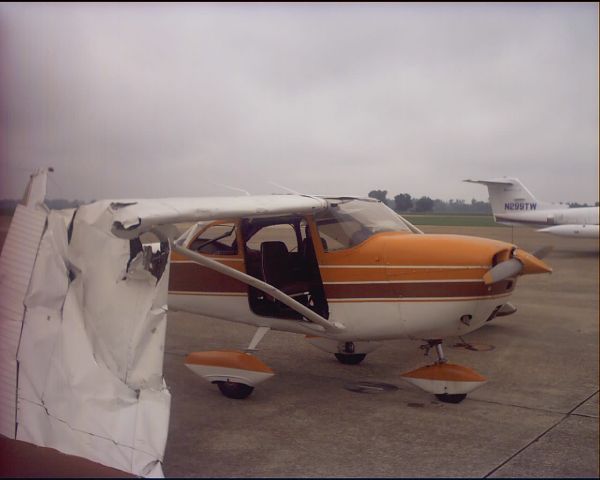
<point x="170" y="100"/>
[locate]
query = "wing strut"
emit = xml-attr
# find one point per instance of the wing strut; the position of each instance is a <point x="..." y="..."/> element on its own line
<point x="332" y="327"/>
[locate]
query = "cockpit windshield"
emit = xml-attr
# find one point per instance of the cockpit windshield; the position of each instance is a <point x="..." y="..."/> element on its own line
<point x="350" y="221"/>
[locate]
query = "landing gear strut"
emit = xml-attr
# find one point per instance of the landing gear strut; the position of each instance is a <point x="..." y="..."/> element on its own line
<point x="348" y="353"/>
<point x="445" y="397"/>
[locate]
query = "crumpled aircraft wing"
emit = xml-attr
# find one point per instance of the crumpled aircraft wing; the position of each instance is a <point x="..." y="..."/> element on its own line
<point x="87" y="323"/>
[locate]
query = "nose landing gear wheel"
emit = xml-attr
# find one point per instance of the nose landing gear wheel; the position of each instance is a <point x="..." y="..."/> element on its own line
<point x="350" y="358"/>
<point x="235" y="390"/>
<point x="451" y="398"/>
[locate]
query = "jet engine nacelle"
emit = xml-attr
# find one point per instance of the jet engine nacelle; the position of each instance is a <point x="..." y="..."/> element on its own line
<point x="583" y="231"/>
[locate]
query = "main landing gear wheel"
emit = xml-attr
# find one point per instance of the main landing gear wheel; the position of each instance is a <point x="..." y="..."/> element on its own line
<point x="235" y="390"/>
<point x="350" y="358"/>
<point x="451" y="397"/>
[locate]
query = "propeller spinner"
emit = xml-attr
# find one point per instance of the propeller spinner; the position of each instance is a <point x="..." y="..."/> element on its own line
<point x="520" y="262"/>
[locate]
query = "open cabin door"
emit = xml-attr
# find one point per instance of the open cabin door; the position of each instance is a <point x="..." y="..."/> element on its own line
<point x="208" y="272"/>
<point x="280" y="252"/>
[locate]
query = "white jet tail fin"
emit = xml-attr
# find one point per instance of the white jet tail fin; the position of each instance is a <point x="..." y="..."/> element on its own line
<point x="509" y="195"/>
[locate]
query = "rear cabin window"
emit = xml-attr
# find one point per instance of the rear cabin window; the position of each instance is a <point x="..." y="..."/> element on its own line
<point x="217" y="239"/>
<point x="283" y="232"/>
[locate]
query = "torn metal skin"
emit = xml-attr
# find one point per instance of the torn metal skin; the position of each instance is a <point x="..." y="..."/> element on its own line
<point x="92" y="346"/>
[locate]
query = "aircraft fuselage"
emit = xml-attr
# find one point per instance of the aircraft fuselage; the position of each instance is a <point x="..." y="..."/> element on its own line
<point x="379" y="285"/>
<point x="530" y="215"/>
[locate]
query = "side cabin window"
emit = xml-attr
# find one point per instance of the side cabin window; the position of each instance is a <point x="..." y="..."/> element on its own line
<point x="336" y="234"/>
<point x="278" y="250"/>
<point x="282" y="232"/>
<point x="216" y="239"/>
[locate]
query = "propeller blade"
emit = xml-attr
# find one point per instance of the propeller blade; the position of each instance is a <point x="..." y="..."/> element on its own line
<point x="542" y="252"/>
<point x="502" y="271"/>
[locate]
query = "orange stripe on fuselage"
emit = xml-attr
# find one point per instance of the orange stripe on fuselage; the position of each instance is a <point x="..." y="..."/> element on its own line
<point x="393" y="256"/>
<point x="360" y="273"/>
<point x="404" y="250"/>
<point x="386" y="266"/>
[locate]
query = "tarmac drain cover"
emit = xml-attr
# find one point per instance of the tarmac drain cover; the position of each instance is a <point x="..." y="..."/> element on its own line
<point x="474" y="347"/>
<point x="370" y="387"/>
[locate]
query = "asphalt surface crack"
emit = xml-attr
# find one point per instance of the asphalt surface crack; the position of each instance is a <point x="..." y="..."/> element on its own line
<point x="544" y="433"/>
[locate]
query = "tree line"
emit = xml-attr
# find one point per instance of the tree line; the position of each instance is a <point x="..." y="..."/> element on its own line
<point x="404" y="202"/>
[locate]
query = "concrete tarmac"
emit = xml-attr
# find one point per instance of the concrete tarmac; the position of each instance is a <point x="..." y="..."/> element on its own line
<point x="536" y="417"/>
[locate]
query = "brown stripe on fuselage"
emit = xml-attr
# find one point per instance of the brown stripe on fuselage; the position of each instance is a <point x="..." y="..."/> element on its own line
<point x="417" y="290"/>
<point x="191" y="277"/>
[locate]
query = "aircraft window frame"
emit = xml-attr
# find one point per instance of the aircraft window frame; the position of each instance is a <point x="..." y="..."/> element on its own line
<point x="358" y="220"/>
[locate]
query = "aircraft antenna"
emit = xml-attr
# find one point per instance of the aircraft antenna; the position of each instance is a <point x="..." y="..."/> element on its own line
<point x="285" y="188"/>
<point x="231" y="188"/>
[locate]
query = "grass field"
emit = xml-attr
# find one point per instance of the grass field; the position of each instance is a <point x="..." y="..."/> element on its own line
<point x="453" y="220"/>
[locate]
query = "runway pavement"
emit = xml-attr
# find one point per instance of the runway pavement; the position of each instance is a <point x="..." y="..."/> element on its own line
<point x="536" y="417"/>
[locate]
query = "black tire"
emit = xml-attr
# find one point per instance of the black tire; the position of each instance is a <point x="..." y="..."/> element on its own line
<point x="350" y="358"/>
<point x="451" y="397"/>
<point x="235" y="390"/>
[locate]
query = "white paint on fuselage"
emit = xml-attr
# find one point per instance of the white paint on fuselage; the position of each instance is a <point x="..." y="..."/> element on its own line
<point x="540" y="218"/>
<point x="364" y="320"/>
<point x="582" y="231"/>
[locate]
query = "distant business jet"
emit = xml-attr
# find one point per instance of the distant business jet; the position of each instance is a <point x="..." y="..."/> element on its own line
<point x="513" y="204"/>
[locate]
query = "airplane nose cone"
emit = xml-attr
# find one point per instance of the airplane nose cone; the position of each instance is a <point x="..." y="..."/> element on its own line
<point x="519" y="263"/>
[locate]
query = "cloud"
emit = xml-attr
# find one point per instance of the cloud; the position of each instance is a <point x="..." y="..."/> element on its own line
<point x="160" y="100"/>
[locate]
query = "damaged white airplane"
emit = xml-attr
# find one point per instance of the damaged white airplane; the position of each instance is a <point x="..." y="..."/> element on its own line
<point x="83" y="304"/>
